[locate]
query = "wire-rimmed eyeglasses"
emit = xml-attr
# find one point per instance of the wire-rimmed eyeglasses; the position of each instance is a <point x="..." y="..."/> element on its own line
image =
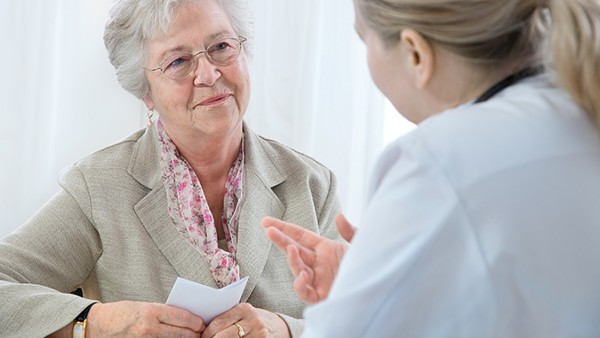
<point x="178" y="66"/>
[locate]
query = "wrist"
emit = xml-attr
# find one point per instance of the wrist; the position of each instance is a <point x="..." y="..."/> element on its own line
<point x="80" y="323"/>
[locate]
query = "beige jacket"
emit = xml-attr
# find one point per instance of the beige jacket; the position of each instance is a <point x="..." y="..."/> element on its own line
<point x="108" y="232"/>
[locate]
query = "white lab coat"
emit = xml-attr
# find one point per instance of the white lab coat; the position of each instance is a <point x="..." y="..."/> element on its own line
<point x="483" y="222"/>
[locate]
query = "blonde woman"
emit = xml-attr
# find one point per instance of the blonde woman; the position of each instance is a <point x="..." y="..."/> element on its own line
<point x="484" y="221"/>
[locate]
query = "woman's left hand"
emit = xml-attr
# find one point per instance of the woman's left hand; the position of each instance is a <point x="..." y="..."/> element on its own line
<point x="251" y="323"/>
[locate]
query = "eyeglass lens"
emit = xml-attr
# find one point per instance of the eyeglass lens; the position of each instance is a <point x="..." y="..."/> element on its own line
<point x="220" y="53"/>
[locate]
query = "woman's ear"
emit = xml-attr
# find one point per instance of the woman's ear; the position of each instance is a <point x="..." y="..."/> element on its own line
<point x="148" y="102"/>
<point x="420" y="56"/>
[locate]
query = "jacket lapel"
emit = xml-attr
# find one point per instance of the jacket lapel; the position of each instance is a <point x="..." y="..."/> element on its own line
<point x="253" y="246"/>
<point x="261" y="175"/>
<point x="186" y="260"/>
<point x="259" y="200"/>
<point x="151" y="210"/>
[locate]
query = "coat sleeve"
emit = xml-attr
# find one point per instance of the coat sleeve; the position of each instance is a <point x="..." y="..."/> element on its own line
<point x="44" y="260"/>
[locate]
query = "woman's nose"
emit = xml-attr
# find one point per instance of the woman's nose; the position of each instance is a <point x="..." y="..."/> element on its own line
<point x="205" y="74"/>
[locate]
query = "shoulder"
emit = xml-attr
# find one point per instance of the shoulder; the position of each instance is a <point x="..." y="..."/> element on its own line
<point x="113" y="158"/>
<point x="271" y="156"/>
<point x="525" y="108"/>
<point x="101" y="180"/>
<point x="296" y="178"/>
<point x="289" y="157"/>
<point x="526" y="123"/>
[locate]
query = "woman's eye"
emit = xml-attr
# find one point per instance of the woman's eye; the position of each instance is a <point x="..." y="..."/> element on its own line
<point x="219" y="47"/>
<point x="179" y="62"/>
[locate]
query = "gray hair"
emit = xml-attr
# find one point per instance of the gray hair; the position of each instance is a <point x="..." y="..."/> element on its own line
<point x="132" y="22"/>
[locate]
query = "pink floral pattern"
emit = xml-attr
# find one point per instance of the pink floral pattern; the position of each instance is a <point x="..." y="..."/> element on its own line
<point x="190" y="212"/>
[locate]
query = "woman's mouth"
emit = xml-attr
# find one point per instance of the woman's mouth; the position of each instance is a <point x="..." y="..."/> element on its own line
<point x="214" y="100"/>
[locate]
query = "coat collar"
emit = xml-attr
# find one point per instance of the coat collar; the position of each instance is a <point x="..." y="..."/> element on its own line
<point x="144" y="165"/>
<point x="145" y="168"/>
<point x="261" y="175"/>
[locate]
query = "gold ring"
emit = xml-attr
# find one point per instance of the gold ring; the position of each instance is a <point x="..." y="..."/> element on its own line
<point x="241" y="331"/>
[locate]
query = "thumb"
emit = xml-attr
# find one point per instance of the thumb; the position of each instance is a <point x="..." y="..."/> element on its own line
<point x="344" y="227"/>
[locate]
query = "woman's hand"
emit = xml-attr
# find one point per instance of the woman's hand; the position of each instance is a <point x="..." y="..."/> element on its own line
<point x="255" y="323"/>
<point x="313" y="259"/>
<point x="137" y="319"/>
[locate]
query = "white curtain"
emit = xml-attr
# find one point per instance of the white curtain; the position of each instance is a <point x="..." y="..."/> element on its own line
<point x="60" y="99"/>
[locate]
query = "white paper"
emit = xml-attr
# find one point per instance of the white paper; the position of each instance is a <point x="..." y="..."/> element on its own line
<point x="203" y="300"/>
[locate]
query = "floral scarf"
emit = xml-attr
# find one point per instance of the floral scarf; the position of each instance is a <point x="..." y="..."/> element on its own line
<point x="189" y="209"/>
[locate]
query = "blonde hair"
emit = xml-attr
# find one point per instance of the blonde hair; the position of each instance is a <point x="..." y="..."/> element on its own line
<point x="132" y="22"/>
<point x="575" y="51"/>
<point x="563" y="34"/>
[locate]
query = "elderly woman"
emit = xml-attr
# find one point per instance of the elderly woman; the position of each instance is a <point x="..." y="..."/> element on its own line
<point x="183" y="197"/>
<point x="484" y="221"/>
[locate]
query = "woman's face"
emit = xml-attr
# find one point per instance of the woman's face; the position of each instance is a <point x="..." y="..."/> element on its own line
<point x="213" y="99"/>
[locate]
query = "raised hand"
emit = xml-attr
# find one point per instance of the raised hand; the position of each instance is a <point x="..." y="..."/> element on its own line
<point x="247" y="321"/>
<point x="313" y="259"/>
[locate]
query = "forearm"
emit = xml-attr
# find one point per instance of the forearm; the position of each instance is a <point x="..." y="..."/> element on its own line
<point x="30" y="310"/>
<point x="64" y="332"/>
<point x="40" y="264"/>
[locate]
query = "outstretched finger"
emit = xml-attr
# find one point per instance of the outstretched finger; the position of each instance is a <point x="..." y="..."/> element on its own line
<point x="297" y="265"/>
<point x="304" y="289"/>
<point x="299" y="234"/>
<point x="283" y="242"/>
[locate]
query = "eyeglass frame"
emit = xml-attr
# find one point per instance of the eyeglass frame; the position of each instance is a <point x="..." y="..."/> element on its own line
<point x="240" y="40"/>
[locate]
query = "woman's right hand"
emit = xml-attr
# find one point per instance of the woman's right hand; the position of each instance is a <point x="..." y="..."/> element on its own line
<point x="138" y="319"/>
<point x="313" y="259"/>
